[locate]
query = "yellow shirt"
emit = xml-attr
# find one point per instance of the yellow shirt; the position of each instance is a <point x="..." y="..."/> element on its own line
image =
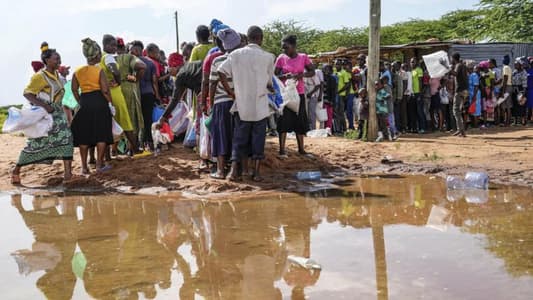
<point x="39" y="84"/>
<point x="89" y="78"/>
<point x="199" y="52"/>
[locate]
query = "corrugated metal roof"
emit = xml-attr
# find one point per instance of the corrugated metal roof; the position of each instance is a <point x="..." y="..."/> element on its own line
<point x="480" y="52"/>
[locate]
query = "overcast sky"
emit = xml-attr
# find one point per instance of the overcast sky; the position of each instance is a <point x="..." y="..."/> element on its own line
<point x="64" y="23"/>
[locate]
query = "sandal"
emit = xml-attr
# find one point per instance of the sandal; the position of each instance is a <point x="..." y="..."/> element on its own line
<point x="217" y="176"/>
<point x="283" y="155"/>
<point x="233" y="178"/>
<point x="85" y="172"/>
<point x="104" y="169"/>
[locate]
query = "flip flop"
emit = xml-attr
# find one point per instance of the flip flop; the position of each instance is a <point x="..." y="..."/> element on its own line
<point x="104" y="169"/>
<point x="283" y="156"/>
<point x="217" y="176"/>
<point x="142" y="154"/>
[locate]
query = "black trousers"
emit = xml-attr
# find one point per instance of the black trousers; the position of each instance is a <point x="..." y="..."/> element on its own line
<point x="147" y="104"/>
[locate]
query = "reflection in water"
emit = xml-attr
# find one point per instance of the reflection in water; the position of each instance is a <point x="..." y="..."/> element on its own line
<point x="129" y="248"/>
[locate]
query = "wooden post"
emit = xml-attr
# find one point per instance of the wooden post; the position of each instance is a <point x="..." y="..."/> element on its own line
<point x="373" y="66"/>
<point x="177" y="32"/>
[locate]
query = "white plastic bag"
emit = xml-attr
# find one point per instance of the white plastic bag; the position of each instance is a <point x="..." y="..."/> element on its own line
<point x="39" y="129"/>
<point x="19" y="119"/>
<point x="434" y="65"/>
<point x="158" y="137"/>
<point x="178" y="121"/>
<point x="321" y="112"/>
<point x="205" y="140"/>
<point x="117" y="130"/>
<point x="291" y="98"/>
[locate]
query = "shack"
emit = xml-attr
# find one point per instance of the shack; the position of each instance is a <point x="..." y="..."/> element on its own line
<point x="468" y="50"/>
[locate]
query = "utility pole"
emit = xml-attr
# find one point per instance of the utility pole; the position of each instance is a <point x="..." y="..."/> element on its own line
<point x="373" y="66"/>
<point x="177" y="32"/>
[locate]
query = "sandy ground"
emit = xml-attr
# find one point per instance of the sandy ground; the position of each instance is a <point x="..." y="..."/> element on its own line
<point x="504" y="153"/>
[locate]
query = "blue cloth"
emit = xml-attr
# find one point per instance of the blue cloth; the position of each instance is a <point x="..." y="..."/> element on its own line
<point x="217" y="25"/>
<point x="388" y="75"/>
<point x="213" y="50"/>
<point x="221" y="129"/>
<point x="275" y="99"/>
<point x="473" y="81"/>
<point x="146" y="85"/>
<point x="157" y="113"/>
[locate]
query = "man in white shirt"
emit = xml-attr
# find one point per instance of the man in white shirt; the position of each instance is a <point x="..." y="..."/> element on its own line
<point x="252" y="69"/>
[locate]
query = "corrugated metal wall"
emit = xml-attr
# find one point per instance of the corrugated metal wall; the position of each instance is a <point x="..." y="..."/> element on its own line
<point x="480" y="52"/>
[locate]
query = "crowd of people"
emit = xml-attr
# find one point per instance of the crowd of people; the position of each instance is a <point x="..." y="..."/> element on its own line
<point x="234" y="83"/>
<point x="471" y="95"/>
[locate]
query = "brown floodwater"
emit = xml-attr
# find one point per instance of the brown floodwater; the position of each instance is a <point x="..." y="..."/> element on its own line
<point x="374" y="238"/>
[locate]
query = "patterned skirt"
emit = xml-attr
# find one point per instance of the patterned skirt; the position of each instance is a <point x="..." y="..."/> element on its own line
<point x="56" y="146"/>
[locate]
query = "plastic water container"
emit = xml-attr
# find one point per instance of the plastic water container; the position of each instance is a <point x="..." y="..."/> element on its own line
<point x="455" y="183"/>
<point x="309" y="176"/>
<point x="477" y="180"/>
<point x="157" y="113"/>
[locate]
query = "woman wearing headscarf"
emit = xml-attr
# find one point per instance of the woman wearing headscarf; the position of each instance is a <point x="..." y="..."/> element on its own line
<point x="130" y="68"/>
<point x="92" y="124"/>
<point x="112" y="72"/>
<point x="293" y="65"/>
<point x="45" y="90"/>
<point x="519" y="91"/>
<point x="221" y="102"/>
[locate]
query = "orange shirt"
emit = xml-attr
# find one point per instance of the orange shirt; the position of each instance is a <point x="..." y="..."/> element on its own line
<point x="88" y="78"/>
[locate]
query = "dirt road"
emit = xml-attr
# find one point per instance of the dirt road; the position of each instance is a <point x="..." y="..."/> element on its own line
<point x="504" y="153"/>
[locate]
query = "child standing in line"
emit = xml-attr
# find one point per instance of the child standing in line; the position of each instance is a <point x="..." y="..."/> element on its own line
<point x="382" y="110"/>
<point x="391" y="130"/>
<point x="363" y="114"/>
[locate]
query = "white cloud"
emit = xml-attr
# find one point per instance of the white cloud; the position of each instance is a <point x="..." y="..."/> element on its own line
<point x="295" y="7"/>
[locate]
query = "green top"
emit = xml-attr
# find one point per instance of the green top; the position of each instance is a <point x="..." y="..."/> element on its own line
<point x="417" y="74"/>
<point x="344" y="78"/>
<point x="199" y="52"/>
<point x="126" y="63"/>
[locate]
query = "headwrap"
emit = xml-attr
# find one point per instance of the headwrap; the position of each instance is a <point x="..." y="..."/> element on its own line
<point x="91" y="49"/>
<point x="230" y="38"/>
<point x="120" y="42"/>
<point x="63" y="69"/>
<point x="37" y="65"/>
<point x="217" y="25"/>
<point x="484" y="64"/>
<point x="175" y="60"/>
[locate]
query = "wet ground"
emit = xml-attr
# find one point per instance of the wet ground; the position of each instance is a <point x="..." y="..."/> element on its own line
<point x="376" y="238"/>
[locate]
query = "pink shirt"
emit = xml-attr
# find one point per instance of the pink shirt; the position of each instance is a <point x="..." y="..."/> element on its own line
<point x="294" y="66"/>
<point x="434" y="84"/>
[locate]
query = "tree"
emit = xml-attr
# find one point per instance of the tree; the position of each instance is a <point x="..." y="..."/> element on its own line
<point x="507" y="20"/>
<point x="275" y="31"/>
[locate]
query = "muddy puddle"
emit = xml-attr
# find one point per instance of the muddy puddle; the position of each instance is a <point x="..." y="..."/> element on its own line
<point x="375" y="238"/>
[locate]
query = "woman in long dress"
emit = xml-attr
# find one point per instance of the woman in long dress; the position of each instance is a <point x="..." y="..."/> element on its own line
<point x="45" y="90"/>
<point x="92" y="124"/>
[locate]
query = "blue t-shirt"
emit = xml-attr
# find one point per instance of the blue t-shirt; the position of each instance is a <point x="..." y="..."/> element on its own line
<point x="146" y="84"/>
